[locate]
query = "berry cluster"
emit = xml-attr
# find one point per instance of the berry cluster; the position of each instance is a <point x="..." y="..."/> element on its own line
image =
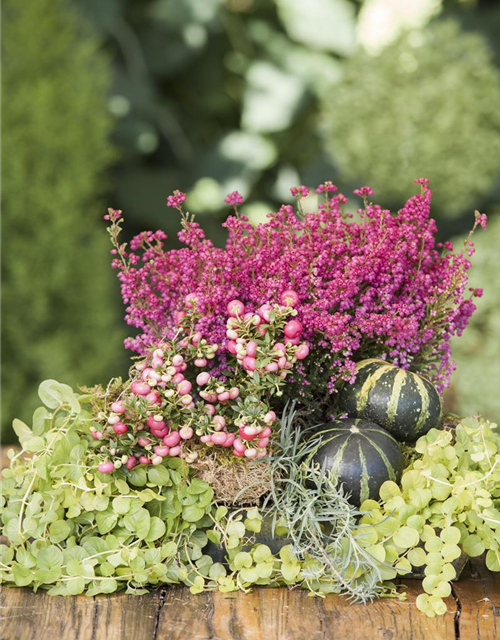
<point x="173" y="399"/>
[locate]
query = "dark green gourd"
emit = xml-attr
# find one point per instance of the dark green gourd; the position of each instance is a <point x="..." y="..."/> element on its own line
<point x="360" y="455"/>
<point x="403" y="402"/>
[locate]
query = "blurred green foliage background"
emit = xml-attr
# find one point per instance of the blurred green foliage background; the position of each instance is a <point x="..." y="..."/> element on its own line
<point x="118" y="102"/>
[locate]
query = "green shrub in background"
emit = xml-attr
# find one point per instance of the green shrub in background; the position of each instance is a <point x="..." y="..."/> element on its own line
<point x="476" y="382"/>
<point x="60" y="317"/>
<point x="428" y="105"/>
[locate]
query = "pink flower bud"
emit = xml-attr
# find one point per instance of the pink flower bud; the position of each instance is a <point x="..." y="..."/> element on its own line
<point x="293" y="329"/>
<point x="289" y="298"/>
<point x="118" y="407"/>
<point x="235" y="308"/>
<point x="106" y="467"/>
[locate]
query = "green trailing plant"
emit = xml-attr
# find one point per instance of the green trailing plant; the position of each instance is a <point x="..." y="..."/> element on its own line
<point x="59" y="317"/>
<point x="448" y="504"/>
<point x="383" y="136"/>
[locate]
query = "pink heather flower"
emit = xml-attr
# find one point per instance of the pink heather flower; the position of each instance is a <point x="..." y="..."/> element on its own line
<point x="113" y="215"/>
<point x="423" y="181"/>
<point x="363" y="192"/>
<point x="477" y="292"/>
<point x="176" y="200"/>
<point x="373" y="285"/>
<point x="234" y="198"/>
<point x="481" y="219"/>
<point x="299" y="192"/>
<point x="327" y="186"/>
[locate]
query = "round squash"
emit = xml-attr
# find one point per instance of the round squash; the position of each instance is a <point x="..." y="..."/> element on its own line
<point x="403" y="402"/>
<point x="360" y="455"/>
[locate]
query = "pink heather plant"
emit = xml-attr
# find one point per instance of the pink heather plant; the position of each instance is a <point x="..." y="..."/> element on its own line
<point x="373" y="284"/>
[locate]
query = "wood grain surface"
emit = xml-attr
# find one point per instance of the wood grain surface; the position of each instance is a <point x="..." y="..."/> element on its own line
<point x="172" y="613"/>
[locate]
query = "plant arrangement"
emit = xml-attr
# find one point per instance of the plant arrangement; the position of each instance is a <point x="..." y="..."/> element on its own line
<point x="306" y="356"/>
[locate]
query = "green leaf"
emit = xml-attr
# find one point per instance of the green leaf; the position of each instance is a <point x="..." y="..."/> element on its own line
<point x="59" y="531"/>
<point x="262" y="553"/>
<point x="49" y="557"/>
<point x="406" y="537"/>
<point x="106" y="521"/>
<point x="450" y="535"/>
<point x="473" y="546"/>
<point x="34" y="444"/>
<point x="138" y="477"/>
<point x="193" y="513"/>
<point x="290" y="571"/>
<point x="75" y="586"/>
<point x="138" y="523"/>
<point x="53" y="394"/>
<point x="22" y="431"/>
<point x="121" y="505"/>
<point x="214" y="536"/>
<point x="417" y="557"/>
<point x="241" y="560"/>
<point x="159" y="476"/>
<point x="217" y="570"/>
<point x="236" y="529"/>
<point x="22" y="575"/>
<point x="249" y="574"/>
<point x="493" y="560"/>
<point x="157" y="529"/>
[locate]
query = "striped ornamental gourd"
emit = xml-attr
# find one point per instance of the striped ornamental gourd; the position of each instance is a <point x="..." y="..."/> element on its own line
<point x="359" y="455"/>
<point x="403" y="402"/>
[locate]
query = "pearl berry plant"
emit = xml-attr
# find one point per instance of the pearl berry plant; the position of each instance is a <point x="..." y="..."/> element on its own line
<point x="172" y="398"/>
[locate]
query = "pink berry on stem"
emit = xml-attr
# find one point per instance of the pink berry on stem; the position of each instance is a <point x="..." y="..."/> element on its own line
<point x="210" y="409"/>
<point x="230" y="437"/>
<point x="266" y="432"/>
<point x="289" y="298"/>
<point x="202" y="378"/>
<point x="249" y="363"/>
<point x="184" y="387"/>
<point x="293" y="329"/>
<point x="269" y="417"/>
<point x="219" y="438"/>
<point x="262" y="443"/>
<point x="234" y="392"/>
<point x="231" y="347"/>
<point x="106" y="467"/>
<point x="120" y="428"/>
<point x="140" y="388"/>
<point x="186" y="433"/>
<point x="174" y="451"/>
<point x="251" y="348"/>
<point x="143" y="441"/>
<point x="235" y="308"/>
<point x="118" y="407"/>
<point x="272" y="367"/>
<point x="224" y="396"/>
<point x="131" y="462"/>
<point x="161" y="451"/>
<point x="200" y="362"/>
<point x="238" y="445"/>
<point x="206" y="438"/>
<point x="144" y="460"/>
<point x="172" y="439"/>
<point x="302" y="352"/>
<point x="250" y="453"/>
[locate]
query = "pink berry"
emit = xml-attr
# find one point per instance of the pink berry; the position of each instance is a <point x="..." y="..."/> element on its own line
<point x="238" y="445"/>
<point x="262" y="443"/>
<point x="200" y="362"/>
<point x="289" y="298"/>
<point x="251" y="348"/>
<point x="106" y="467"/>
<point x="272" y="367"/>
<point x="178" y="316"/>
<point x="160" y="433"/>
<point x="282" y="362"/>
<point x="178" y="378"/>
<point x="261" y="454"/>
<point x="238" y="454"/>
<point x="219" y="438"/>
<point x="234" y="392"/>
<point x="144" y="460"/>
<point x="97" y="435"/>
<point x="224" y="396"/>
<point x="156" y="362"/>
<point x="184" y="387"/>
<point x="293" y="329"/>
<point x="154" y="397"/>
<point x="155" y="424"/>
<point x="190" y="300"/>
<point x="118" y="407"/>
<point x="248" y="316"/>
<point x="174" y="451"/>
<point x="202" y="378"/>
<point x="230" y="437"/>
<point x="231" y="347"/>
<point x="196" y="337"/>
<point x="143" y="441"/>
<point x="269" y="417"/>
<point x="210" y="409"/>
<point x="231" y="334"/>
<point x="279" y="346"/>
<point x="250" y="453"/>
<point x="248" y="433"/>
<point x="186" y="433"/>
<point x="131" y="462"/>
<point x="120" y="428"/>
<point x="140" y="388"/>
<point x="219" y="422"/>
<point x="302" y="352"/>
<point x="249" y="363"/>
<point x="235" y="308"/>
<point x="206" y="439"/>
<point x="173" y="439"/>
<point x="293" y="341"/>
<point x="161" y="451"/>
<point x="266" y="432"/>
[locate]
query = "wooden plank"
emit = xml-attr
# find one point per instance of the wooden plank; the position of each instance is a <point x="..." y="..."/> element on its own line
<point x="478" y="602"/>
